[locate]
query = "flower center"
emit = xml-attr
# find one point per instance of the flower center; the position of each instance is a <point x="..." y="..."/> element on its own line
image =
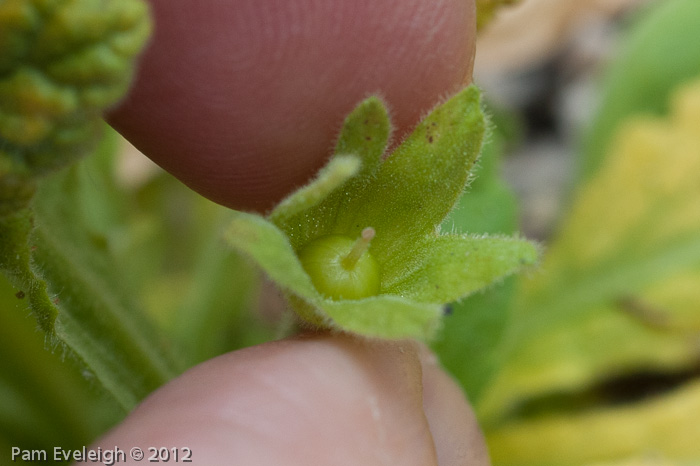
<point x="342" y="268"/>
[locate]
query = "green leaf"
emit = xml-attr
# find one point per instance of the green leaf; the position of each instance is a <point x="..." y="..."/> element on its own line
<point x="44" y="399"/>
<point x="456" y="266"/>
<point x="617" y="297"/>
<point x="62" y="63"/>
<point x="468" y="345"/>
<point x="215" y="313"/>
<point x="656" y="58"/>
<point x="96" y="319"/>
<point x="77" y="294"/>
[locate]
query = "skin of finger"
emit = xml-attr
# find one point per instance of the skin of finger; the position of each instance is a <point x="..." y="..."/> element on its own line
<point x="320" y="400"/>
<point x="453" y="424"/>
<point x="243" y="100"/>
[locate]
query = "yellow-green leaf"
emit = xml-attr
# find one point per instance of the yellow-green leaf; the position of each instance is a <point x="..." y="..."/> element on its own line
<point x="618" y="295"/>
<point x="655" y="59"/>
<point x="662" y="428"/>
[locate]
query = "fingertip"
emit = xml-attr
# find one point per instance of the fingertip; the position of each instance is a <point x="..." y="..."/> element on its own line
<point x="317" y="400"/>
<point x="453" y="424"/>
<point x="242" y="101"/>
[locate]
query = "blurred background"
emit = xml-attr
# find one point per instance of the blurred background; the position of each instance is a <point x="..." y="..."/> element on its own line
<point x="543" y="63"/>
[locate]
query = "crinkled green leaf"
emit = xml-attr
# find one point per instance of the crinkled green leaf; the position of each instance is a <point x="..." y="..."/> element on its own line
<point x="78" y="296"/>
<point x="457" y="265"/>
<point x="618" y="294"/>
<point x="44" y="399"/>
<point x="97" y="318"/>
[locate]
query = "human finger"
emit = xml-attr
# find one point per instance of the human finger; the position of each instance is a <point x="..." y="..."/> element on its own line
<point x="242" y="100"/>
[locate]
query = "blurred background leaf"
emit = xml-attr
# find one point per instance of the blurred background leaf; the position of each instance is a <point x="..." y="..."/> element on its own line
<point x="658" y="54"/>
<point x="144" y="288"/>
<point x="614" y="306"/>
<point x="98" y="320"/>
<point x="487" y="9"/>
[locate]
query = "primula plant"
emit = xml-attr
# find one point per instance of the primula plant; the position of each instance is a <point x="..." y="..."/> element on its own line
<point x="388" y="241"/>
<point x="360" y="249"/>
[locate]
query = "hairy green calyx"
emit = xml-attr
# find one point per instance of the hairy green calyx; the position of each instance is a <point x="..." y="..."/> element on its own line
<point x="397" y="287"/>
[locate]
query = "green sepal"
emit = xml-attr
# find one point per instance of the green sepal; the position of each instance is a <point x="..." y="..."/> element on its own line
<point x="383" y="316"/>
<point x="419" y="183"/>
<point x="455" y="266"/>
<point x="364" y="135"/>
<point x="261" y="240"/>
<point x="331" y="177"/>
